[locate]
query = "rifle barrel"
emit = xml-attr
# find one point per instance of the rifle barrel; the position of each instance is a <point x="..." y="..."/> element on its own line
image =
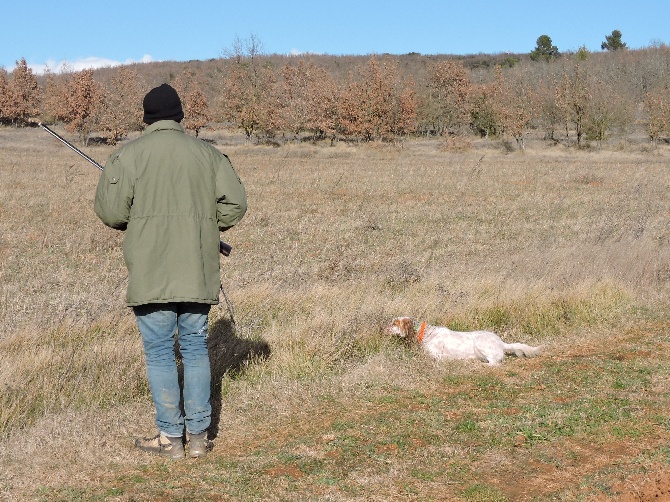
<point x="70" y="146"/>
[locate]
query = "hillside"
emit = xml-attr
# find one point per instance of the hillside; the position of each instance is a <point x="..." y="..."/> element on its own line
<point x="578" y="99"/>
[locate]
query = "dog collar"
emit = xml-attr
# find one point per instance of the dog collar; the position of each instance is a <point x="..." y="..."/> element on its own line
<point x="422" y="330"/>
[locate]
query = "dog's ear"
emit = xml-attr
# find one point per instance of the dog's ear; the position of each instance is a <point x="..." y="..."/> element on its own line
<point x="406" y="327"/>
<point x="393" y="328"/>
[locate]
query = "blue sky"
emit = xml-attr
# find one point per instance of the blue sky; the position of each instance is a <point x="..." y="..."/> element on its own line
<point x="92" y="33"/>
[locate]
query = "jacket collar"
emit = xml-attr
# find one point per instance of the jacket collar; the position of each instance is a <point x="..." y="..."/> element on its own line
<point x="164" y="125"/>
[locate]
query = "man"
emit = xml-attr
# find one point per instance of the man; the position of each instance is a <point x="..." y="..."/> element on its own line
<point x="172" y="193"/>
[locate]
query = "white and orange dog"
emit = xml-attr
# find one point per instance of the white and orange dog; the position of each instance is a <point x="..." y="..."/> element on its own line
<point x="443" y="343"/>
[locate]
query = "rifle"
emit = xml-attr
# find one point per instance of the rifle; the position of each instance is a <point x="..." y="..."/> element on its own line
<point x="224" y="248"/>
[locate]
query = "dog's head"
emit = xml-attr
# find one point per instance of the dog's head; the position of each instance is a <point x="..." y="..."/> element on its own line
<point x="402" y="327"/>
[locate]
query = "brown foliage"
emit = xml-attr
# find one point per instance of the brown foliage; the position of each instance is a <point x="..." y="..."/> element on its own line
<point x="20" y="95"/>
<point x="194" y="101"/>
<point x="448" y="103"/>
<point x="593" y="103"/>
<point x="308" y="99"/>
<point x="516" y="104"/>
<point x="3" y="94"/>
<point x="295" y="91"/>
<point x="377" y="104"/>
<point x="374" y="98"/>
<point x="657" y="106"/>
<point x="405" y="119"/>
<point x="248" y="94"/>
<point x="53" y="103"/>
<point x="121" y="110"/>
<point x="83" y="99"/>
<point x="325" y="106"/>
<point x="196" y="110"/>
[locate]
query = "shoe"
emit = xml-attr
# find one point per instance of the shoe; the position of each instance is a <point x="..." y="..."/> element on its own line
<point x="165" y="446"/>
<point x="198" y="445"/>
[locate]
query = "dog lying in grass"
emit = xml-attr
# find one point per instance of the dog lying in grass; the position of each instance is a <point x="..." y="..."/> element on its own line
<point x="442" y="343"/>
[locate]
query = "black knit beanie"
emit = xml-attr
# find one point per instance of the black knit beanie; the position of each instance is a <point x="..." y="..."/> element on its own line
<point x="162" y="103"/>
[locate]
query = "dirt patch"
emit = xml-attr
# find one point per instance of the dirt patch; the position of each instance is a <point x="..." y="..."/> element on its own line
<point x="642" y="488"/>
<point x="552" y="468"/>
<point x="291" y="471"/>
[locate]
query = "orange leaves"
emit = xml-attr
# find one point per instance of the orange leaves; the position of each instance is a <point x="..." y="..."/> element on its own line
<point x="196" y="110"/>
<point x="451" y="95"/>
<point x="248" y="96"/>
<point x="120" y="113"/>
<point x="361" y="99"/>
<point x="4" y="95"/>
<point x="75" y="98"/>
<point x="194" y="102"/>
<point x="657" y="106"/>
<point x="374" y="104"/>
<point x="308" y="98"/>
<point x="516" y="105"/>
<point x="377" y="104"/>
<point x="83" y="98"/>
<point x="19" y="95"/>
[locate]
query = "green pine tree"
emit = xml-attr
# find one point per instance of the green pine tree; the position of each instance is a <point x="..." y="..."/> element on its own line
<point x="544" y="50"/>
<point x="613" y="42"/>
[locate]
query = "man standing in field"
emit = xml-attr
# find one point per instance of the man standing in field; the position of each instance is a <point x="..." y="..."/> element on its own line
<point x="172" y="194"/>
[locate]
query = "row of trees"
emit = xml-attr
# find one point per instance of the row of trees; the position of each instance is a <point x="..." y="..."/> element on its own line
<point x="85" y="105"/>
<point x="575" y="97"/>
<point x="298" y="99"/>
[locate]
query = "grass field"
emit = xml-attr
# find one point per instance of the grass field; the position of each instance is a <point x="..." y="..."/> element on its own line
<point x="556" y="246"/>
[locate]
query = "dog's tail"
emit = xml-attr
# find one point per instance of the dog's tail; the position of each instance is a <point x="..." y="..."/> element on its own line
<point x="522" y="350"/>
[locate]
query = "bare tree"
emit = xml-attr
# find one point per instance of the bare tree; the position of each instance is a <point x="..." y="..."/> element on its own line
<point x="572" y="97"/>
<point x="549" y="113"/>
<point x="606" y="109"/>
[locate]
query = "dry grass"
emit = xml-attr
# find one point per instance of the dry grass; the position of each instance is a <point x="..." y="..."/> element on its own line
<point x="555" y="246"/>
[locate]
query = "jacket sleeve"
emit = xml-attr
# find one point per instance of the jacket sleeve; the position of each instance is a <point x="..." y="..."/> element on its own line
<point x="231" y="197"/>
<point x="114" y="194"/>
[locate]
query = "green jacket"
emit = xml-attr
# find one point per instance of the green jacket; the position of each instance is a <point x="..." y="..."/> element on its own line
<point x="172" y="194"/>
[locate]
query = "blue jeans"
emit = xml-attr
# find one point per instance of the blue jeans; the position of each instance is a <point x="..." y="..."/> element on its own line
<point x="158" y="323"/>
